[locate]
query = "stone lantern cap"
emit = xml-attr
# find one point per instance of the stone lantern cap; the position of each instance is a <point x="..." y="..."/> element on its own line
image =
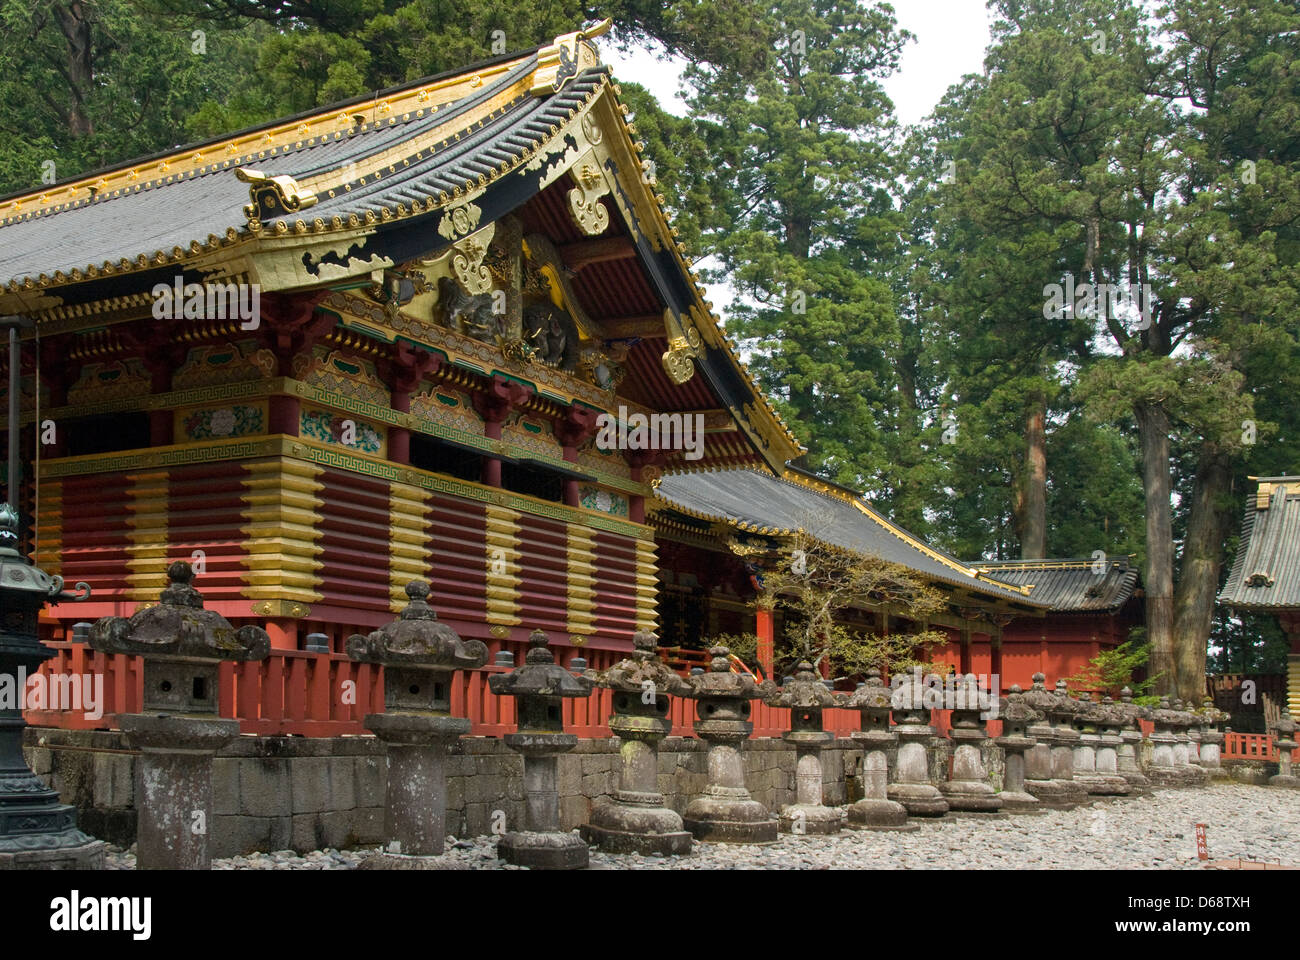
<point x="805" y="692"/>
<point x="718" y="682"/>
<point x="22" y="584"/>
<point x="1015" y="709"/>
<point x="179" y="628"/>
<point x="630" y="674"/>
<point x="1285" y="726"/>
<point x="1131" y="712"/>
<point x="1038" y="698"/>
<point x="1211" y="714"/>
<point x="540" y="675"/>
<point x="416" y="639"/>
<point x="1166" y="715"/>
<point x="1092" y="712"/>
<point x="1063" y="706"/>
<point x="873" y="696"/>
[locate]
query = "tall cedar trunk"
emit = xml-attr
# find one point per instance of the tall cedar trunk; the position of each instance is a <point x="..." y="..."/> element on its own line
<point x="1198" y="574"/>
<point x="1033" y="518"/>
<point x="1153" y="434"/>
<point x="74" y="23"/>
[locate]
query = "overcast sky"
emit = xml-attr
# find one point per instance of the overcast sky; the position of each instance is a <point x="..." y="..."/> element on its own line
<point x="950" y="39"/>
<point x="951" y="36"/>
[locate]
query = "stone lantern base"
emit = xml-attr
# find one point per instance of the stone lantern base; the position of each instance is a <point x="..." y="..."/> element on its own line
<point x="729" y="815"/>
<point x="1284" y="780"/>
<point x="544" y="851"/>
<point x="876" y="814"/>
<point x="628" y="825"/>
<point x="810" y="819"/>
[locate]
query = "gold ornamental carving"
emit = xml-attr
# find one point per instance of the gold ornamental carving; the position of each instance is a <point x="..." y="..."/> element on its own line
<point x="585" y="207"/>
<point x="467" y="262"/>
<point x="683" y="348"/>
<point x="281" y="608"/>
<point x="460" y="221"/>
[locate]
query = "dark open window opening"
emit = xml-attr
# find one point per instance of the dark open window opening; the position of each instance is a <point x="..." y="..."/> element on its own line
<point x="430" y="453"/>
<point x="106" y="433"/>
<point x="534" y="481"/>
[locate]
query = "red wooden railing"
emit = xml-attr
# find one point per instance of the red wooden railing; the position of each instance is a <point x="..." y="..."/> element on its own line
<point x="1249" y="746"/>
<point x="328" y="695"/>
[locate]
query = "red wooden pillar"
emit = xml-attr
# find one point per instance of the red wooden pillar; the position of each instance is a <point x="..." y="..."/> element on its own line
<point x="283" y="632"/>
<point x="764" y="627"/>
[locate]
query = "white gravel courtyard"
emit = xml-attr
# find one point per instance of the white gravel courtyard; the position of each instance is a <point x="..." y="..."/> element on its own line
<point x="1156" y="832"/>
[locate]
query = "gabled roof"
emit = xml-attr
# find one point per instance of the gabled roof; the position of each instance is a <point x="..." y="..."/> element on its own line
<point x="1081" y="585"/>
<point x="419" y="172"/>
<point x="752" y="501"/>
<point x="1266" y="571"/>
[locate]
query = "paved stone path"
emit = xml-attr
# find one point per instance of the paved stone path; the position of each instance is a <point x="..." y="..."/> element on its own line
<point x="1156" y="832"/>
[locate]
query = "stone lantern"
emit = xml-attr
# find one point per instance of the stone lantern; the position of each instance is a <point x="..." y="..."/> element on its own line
<point x="539" y="688"/>
<point x="1188" y="740"/>
<point x="1089" y="723"/>
<point x="1015" y="742"/>
<point x="36" y="831"/>
<point x="1130" y="734"/>
<point x="1284" y="742"/>
<point x="419" y="656"/>
<point x="725" y="812"/>
<point x="1212" y="739"/>
<point x="636" y="820"/>
<point x="1040" y="780"/>
<point x="968" y="789"/>
<point x="1110" y="725"/>
<point x="875" y="811"/>
<point x="806" y="696"/>
<point x="1062" y="712"/>
<point x="911" y="785"/>
<point x="179" y="732"/>
<point x="1165" y="770"/>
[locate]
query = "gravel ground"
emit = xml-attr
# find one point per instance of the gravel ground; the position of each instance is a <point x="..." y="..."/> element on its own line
<point x="1156" y="832"/>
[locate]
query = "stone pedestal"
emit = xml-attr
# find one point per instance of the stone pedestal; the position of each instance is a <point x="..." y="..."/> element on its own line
<point x="1062" y="713"/>
<point x="1284" y="741"/>
<point x="1130" y="734"/>
<point x="415" y="808"/>
<point x="179" y="732"/>
<point x="1169" y="766"/>
<point x="875" y="811"/>
<point x="725" y="812"/>
<point x="1015" y="742"/>
<point x="968" y="789"/>
<point x="173" y="782"/>
<point x="540" y="687"/>
<point x="1040" y="779"/>
<point x="1212" y="740"/>
<point x="418" y="655"/>
<point x="37" y="832"/>
<point x="806" y="697"/>
<point x="1186" y="733"/>
<point x="911" y="785"/>
<point x="1095" y="751"/>
<point x="636" y="820"/>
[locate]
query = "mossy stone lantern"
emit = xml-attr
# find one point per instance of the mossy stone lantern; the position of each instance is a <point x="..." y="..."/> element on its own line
<point x="540" y="687"/>
<point x="419" y="655"/>
<point x="636" y="820"/>
<point x="36" y="831"/>
<point x="178" y="733"/>
<point x="875" y="811"/>
<point x="806" y="696"/>
<point x="725" y="812"/>
<point x="1016" y="716"/>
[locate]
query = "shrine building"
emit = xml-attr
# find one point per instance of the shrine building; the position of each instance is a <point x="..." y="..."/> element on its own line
<point x="390" y="339"/>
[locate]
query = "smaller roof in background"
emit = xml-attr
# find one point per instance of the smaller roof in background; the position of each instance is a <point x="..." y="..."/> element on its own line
<point x="1076" y="585"/>
<point x="754" y="501"/>
<point x="1266" y="571"/>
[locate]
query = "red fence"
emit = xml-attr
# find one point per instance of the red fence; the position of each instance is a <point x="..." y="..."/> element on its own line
<point x="1248" y="746"/>
<point x="328" y="695"/>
